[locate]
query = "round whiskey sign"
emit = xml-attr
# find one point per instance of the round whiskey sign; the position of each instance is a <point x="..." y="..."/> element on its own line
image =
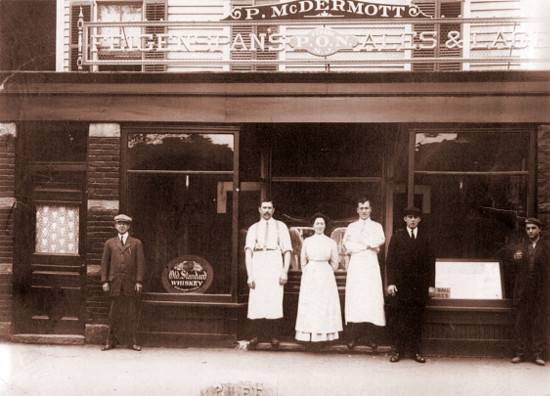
<point x="187" y="274"/>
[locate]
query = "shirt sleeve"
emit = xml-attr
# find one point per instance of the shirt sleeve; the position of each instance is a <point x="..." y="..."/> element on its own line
<point x="352" y="241"/>
<point x="284" y="241"/>
<point x="376" y="237"/>
<point x="250" y="238"/>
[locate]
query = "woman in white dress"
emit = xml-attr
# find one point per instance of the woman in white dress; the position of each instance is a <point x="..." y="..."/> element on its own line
<point x="319" y="316"/>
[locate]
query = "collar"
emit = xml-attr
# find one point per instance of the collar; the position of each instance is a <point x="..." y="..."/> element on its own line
<point x="125" y="235"/>
<point x="409" y="230"/>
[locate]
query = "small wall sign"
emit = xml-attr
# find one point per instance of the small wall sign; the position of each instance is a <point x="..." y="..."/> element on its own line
<point x="187" y="274"/>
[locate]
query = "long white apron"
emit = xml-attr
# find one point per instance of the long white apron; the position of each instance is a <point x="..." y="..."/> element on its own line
<point x="265" y="301"/>
<point x="364" y="296"/>
<point x="319" y="317"/>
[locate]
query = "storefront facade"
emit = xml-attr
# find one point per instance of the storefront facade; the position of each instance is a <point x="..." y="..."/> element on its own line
<point x="189" y="156"/>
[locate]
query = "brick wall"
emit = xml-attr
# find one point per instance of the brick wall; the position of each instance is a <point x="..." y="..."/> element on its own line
<point x="7" y="200"/>
<point x="103" y="204"/>
<point x="543" y="202"/>
<point x="543" y="174"/>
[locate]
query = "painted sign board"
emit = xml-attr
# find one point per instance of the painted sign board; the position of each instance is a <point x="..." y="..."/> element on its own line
<point x="468" y="279"/>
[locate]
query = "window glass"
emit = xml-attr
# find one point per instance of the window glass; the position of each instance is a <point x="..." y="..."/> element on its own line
<point x="61" y="143"/>
<point x="327" y="151"/>
<point x="182" y="215"/>
<point x="130" y="12"/>
<point x="474" y="216"/>
<point x="184" y="151"/>
<point x="57" y="228"/>
<point x="468" y="151"/>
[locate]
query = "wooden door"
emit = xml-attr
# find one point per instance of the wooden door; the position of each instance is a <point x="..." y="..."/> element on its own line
<point x="53" y="294"/>
<point x="49" y="230"/>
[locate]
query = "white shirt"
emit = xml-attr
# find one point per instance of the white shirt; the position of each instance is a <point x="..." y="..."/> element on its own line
<point x="124" y="237"/>
<point x="413" y="232"/>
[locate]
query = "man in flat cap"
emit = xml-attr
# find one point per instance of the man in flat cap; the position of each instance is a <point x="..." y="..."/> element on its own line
<point x="122" y="271"/>
<point x="411" y="280"/>
<point x="529" y="297"/>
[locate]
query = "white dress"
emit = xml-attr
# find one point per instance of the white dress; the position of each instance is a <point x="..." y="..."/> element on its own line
<point x="319" y="316"/>
<point x="364" y="295"/>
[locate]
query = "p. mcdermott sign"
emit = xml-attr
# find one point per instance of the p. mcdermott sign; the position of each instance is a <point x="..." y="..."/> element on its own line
<point x="325" y="9"/>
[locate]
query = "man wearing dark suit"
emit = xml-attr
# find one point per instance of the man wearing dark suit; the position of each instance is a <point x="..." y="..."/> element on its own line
<point x="411" y="279"/>
<point x="122" y="270"/>
<point x="530" y="294"/>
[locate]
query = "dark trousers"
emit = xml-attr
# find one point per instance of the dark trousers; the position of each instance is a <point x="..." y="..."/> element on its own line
<point x="407" y="327"/>
<point x="265" y="329"/>
<point x="356" y="331"/>
<point x="122" y="321"/>
<point x="529" y="328"/>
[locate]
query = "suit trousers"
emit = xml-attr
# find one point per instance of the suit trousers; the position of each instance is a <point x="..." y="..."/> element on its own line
<point x="530" y="324"/>
<point x="122" y="320"/>
<point x="407" y="326"/>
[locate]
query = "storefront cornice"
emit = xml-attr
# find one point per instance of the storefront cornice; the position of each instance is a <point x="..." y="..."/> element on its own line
<point x="280" y="84"/>
<point x="278" y="97"/>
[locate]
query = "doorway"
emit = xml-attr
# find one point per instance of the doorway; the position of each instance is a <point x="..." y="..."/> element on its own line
<point x="50" y="216"/>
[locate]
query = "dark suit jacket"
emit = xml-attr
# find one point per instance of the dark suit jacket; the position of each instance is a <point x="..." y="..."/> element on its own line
<point x="534" y="289"/>
<point x="411" y="266"/>
<point x="122" y="266"/>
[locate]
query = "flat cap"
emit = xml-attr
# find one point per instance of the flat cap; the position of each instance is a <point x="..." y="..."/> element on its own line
<point x="412" y="210"/>
<point x="535" y="221"/>
<point x="123" y="218"/>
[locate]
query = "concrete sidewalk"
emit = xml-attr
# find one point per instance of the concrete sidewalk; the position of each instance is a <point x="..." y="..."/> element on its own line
<point x="29" y="369"/>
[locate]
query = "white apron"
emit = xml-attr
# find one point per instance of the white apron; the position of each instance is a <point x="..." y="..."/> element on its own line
<point x="265" y="301"/>
<point x="364" y="296"/>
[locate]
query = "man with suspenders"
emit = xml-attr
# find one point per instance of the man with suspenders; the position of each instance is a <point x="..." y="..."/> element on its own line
<point x="267" y="257"/>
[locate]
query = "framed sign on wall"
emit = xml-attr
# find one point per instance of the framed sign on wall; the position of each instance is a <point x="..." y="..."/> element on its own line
<point x="468" y="279"/>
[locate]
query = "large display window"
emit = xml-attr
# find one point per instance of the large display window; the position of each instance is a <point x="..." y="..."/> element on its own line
<point x="480" y="186"/>
<point x="179" y="192"/>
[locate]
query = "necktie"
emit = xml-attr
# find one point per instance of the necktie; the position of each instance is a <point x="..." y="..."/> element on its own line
<point x="266" y="234"/>
<point x="122" y="239"/>
<point x="412" y="234"/>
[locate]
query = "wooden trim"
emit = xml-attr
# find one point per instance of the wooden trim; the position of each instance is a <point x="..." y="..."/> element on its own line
<point x="179" y="172"/>
<point x="235" y="220"/>
<point x="473" y="173"/>
<point x="532" y="168"/>
<point x="288" y="179"/>
<point x="410" y="177"/>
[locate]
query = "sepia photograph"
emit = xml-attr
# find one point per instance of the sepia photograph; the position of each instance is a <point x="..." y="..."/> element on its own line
<point x="274" y="197"/>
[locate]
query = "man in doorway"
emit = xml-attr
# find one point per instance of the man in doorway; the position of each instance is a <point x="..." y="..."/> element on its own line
<point x="267" y="257"/>
<point x="122" y="271"/>
<point x="529" y="297"/>
<point x="364" y="306"/>
<point x="411" y="278"/>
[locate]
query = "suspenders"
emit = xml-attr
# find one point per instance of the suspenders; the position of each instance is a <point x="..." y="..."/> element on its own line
<point x="256" y="246"/>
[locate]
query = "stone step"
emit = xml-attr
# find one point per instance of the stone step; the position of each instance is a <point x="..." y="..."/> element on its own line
<point x="57" y="339"/>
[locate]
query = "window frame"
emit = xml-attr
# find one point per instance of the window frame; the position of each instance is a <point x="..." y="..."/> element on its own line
<point x="233" y="295"/>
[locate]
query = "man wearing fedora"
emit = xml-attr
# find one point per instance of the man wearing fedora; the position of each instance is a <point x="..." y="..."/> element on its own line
<point x="529" y="296"/>
<point x="122" y="271"/>
<point x="411" y="280"/>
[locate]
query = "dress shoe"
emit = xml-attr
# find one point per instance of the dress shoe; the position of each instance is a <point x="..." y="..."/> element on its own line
<point x="419" y="358"/>
<point x="252" y="344"/>
<point x="275" y="343"/>
<point x="395" y="357"/>
<point x="351" y="345"/>
<point x="135" y="347"/>
<point x="107" y="347"/>
<point x="539" y="361"/>
<point x="516" y="359"/>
